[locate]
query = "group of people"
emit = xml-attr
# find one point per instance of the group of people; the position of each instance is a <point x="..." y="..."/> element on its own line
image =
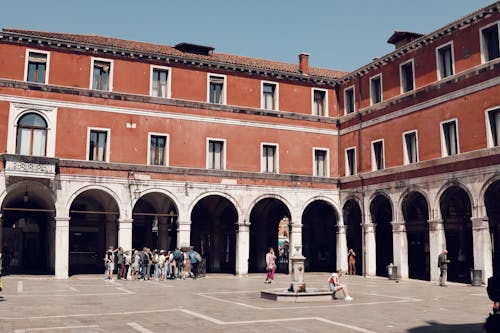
<point x="151" y="264"/>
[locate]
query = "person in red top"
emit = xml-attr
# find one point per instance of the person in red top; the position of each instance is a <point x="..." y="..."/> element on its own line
<point x="335" y="285"/>
<point x="270" y="265"/>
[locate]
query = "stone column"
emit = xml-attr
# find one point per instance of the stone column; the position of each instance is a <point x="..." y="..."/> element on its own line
<point x="341" y="244"/>
<point x="400" y="248"/>
<point x="295" y="241"/>
<point x="62" y="247"/>
<point x="183" y="233"/>
<point x="370" y="249"/>
<point x="437" y="242"/>
<point x="242" y="248"/>
<point x="125" y="233"/>
<point x="482" y="246"/>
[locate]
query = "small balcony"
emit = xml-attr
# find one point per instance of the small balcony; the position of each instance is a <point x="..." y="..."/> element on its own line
<point x="20" y="167"/>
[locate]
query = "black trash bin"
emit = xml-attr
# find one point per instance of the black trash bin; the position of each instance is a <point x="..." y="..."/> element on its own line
<point x="476" y="277"/>
<point x="392" y="272"/>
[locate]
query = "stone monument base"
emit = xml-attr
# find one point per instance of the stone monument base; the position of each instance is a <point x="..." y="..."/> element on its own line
<point x="283" y="295"/>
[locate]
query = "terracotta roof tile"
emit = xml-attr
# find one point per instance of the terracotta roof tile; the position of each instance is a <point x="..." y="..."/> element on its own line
<point x="171" y="51"/>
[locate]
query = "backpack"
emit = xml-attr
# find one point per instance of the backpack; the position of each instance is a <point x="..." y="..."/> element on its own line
<point x="178" y="256"/>
<point x="197" y="256"/>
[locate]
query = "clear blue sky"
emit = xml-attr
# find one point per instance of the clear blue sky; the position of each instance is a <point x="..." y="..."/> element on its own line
<point x="342" y="35"/>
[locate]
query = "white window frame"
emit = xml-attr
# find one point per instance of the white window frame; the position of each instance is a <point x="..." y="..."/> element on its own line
<point x="276" y="157"/>
<point x="276" y="95"/>
<point x="444" y="151"/>
<point x="438" y="63"/>
<point x="381" y="89"/>
<point x="401" y="75"/>
<point x="224" y="88"/>
<point x="168" y="89"/>
<point x="489" y="135"/>
<point x="207" y="153"/>
<point x="108" y="142"/>
<point x="325" y="102"/>
<point x="327" y="161"/>
<point x="406" y="160"/>
<point x="353" y="99"/>
<point x="47" y="67"/>
<point x="111" y="70"/>
<point x="49" y="114"/>
<point x="374" y="160"/>
<point x="167" y="148"/>
<point x="482" y="42"/>
<point x="347" y="171"/>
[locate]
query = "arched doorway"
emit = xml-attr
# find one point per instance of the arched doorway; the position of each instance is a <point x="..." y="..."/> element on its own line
<point x="155" y="222"/>
<point x="381" y="212"/>
<point x="491" y="201"/>
<point x="416" y="215"/>
<point x="266" y="218"/>
<point x="319" y="230"/>
<point x="352" y="220"/>
<point x="93" y="227"/>
<point x="28" y="231"/>
<point x="456" y="212"/>
<point x="214" y="220"/>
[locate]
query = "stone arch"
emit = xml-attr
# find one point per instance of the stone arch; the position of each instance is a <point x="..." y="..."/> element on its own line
<point x="331" y="202"/>
<point x="352" y="216"/>
<point x="436" y="202"/>
<point x="105" y="189"/>
<point x="217" y="193"/>
<point x="382" y="214"/>
<point x="416" y="189"/>
<point x="269" y="196"/>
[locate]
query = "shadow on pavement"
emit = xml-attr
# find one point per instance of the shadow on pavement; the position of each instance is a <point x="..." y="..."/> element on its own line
<point x="433" y="326"/>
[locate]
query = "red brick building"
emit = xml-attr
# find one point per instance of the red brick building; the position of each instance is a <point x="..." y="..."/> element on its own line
<point x="116" y="142"/>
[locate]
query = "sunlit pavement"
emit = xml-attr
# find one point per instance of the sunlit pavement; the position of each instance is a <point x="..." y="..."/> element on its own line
<point x="226" y="303"/>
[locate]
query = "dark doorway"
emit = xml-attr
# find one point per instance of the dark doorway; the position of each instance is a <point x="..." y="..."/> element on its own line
<point x="93" y="227"/>
<point x="265" y="219"/>
<point x="352" y="221"/>
<point x="319" y="233"/>
<point x="213" y="233"/>
<point x="456" y="212"/>
<point x="416" y="215"/>
<point x="492" y="200"/>
<point x="381" y="212"/>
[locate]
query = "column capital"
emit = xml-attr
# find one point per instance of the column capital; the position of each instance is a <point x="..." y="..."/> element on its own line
<point x="398" y="227"/>
<point x="125" y="221"/>
<point x="480" y="223"/>
<point x="341" y="228"/>
<point x="368" y="227"/>
<point x="62" y="221"/>
<point x="435" y="225"/>
<point x="243" y="227"/>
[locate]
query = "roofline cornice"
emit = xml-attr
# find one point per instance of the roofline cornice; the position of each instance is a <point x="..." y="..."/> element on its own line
<point x="422" y="41"/>
<point x="110" y="51"/>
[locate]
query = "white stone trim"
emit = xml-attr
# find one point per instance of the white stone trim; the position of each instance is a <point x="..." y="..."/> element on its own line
<point x="401" y="76"/>
<point x="444" y="153"/>
<point x="489" y="137"/>
<point x="325" y="102"/>
<point x="374" y="160"/>
<point x="327" y="161"/>
<point x="379" y="75"/>
<point x="438" y="66"/>
<point x="481" y="40"/>
<point x="347" y="171"/>
<point x="111" y="69"/>
<point x="353" y="99"/>
<point x="167" y="147"/>
<point x="168" y="86"/>
<point x="108" y="141"/>
<point x="207" y="152"/>
<point x="47" y="67"/>
<point x="276" y="94"/>
<point x="406" y="160"/>
<point x="276" y="157"/>
<point x="224" y="88"/>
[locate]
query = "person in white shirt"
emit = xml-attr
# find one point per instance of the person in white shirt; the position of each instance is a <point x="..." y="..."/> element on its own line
<point x="335" y="285"/>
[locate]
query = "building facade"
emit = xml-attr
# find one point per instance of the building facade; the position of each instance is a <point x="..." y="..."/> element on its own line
<point x="115" y="142"/>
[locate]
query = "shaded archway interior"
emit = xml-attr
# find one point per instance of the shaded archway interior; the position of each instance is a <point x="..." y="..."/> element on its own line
<point x="492" y="203"/>
<point x="416" y="215"/>
<point x="214" y="221"/>
<point x="265" y="218"/>
<point x="455" y="208"/>
<point x="381" y="212"/>
<point x="28" y="230"/>
<point x="352" y="221"/>
<point x="154" y="222"/>
<point x="319" y="231"/>
<point x="93" y="227"/>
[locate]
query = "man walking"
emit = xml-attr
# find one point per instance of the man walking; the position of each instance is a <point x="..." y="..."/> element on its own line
<point x="443" y="267"/>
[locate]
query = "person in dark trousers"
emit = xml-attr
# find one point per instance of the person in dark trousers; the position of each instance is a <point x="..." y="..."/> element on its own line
<point x="443" y="267"/>
<point x="120" y="263"/>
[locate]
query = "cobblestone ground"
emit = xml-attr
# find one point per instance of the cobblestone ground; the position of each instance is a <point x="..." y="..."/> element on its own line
<point x="225" y="303"/>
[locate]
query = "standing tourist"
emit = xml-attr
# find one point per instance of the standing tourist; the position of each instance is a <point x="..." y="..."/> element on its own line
<point x="270" y="265"/>
<point x="351" y="256"/>
<point x="443" y="267"/>
<point x="109" y="263"/>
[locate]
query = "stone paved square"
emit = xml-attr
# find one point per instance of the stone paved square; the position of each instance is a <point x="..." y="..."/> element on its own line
<point x="227" y="303"/>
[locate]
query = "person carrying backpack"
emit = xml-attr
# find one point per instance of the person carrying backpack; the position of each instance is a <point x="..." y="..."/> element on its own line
<point x="195" y="258"/>
<point x="179" y="261"/>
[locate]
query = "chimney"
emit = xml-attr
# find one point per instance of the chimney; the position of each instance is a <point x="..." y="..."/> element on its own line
<point x="304" y="63"/>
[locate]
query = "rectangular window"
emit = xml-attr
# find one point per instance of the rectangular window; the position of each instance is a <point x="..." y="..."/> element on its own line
<point x="157" y="149"/>
<point x="159" y="82"/>
<point x="98" y="145"/>
<point x="319" y="103"/>
<point x="377" y="155"/>
<point x="376" y="89"/>
<point x="445" y="61"/>
<point x="215" y="154"/>
<point x="320" y="163"/>
<point x="406" y="75"/>
<point x="101" y="75"/>
<point x="494" y="122"/>
<point x="349" y="100"/>
<point x="37" y="67"/>
<point x="410" y="147"/>
<point x="350" y="161"/>
<point x="490" y="43"/>
<point x="269" y="159"/>
<point x="216" y="89"/>
<point x="449" y="138"/>
<point x="269" y="96"/>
